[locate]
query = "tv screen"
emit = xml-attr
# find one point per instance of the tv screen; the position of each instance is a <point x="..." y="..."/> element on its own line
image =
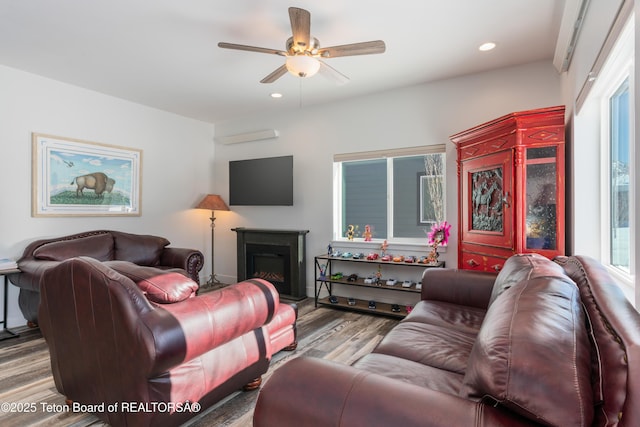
<point x="261" y="182"/>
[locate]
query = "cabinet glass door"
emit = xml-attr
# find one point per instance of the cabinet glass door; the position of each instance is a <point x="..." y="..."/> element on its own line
<point x="542" y="199"/>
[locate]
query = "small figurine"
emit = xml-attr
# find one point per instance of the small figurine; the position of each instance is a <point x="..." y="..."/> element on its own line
<point x="323" y="272"/>
<point x="367" y="233"/>
<point x="384" y="247"/>
<point x="378" y="275"/>
<point x="329" y="249"/>
<point x="350" y="232"/>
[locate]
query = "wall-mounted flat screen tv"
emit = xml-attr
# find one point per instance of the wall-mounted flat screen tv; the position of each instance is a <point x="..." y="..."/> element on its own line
<point x="261" y="182"/>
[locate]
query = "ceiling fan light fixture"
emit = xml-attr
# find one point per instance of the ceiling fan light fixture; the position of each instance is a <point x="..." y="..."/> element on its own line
<point x="302" y="65"/>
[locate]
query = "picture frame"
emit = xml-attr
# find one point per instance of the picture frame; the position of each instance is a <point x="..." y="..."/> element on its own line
<point x="431" y="190"/>
<point x="73" y="177"/>
<point x="428" y="212"/>
<point x="426" y="215"/>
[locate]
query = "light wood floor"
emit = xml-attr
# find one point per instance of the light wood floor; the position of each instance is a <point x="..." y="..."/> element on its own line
<point x="25" y="373"/>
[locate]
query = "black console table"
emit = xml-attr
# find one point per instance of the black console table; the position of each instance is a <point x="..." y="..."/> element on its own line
<point x="6" y="333"/>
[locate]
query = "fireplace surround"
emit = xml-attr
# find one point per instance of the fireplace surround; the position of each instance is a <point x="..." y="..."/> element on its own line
<point x="278" y="256"/>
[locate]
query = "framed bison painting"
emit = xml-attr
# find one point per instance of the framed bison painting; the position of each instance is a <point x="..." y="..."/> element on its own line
<point x="81" y="178"/>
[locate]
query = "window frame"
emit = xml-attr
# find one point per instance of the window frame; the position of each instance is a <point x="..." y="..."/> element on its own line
<point x="618" y="68"/>
<point x="389" y="155"/>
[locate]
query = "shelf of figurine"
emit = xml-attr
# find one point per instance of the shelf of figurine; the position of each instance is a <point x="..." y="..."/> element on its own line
<point x="372" y="281"/>
<point x="366" y="306"/>
<point x="375" y="258"/>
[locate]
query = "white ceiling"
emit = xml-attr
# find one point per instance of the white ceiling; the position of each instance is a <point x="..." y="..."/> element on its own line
<point x="164" y="54"/>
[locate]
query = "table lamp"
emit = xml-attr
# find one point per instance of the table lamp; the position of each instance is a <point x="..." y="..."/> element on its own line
<point x="213" y="202"/>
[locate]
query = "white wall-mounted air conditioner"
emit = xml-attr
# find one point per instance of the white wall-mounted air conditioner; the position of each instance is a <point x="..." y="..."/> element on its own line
<point x="249" y="136"/>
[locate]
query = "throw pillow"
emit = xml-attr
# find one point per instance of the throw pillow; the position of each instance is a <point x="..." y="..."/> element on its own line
<point x="167" y="288"/>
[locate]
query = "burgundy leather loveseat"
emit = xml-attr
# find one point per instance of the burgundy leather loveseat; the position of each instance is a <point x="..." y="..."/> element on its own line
<point x="543" y="343"/>
<point x="125" y="251"/>
<point x="149" y="352"/>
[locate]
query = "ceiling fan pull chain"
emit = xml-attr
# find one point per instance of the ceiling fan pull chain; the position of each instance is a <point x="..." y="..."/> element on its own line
<point x="300" y="106"/>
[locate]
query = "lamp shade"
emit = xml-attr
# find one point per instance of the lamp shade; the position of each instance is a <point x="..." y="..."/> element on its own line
<point x="302" y="65"/>
<point x="213" y="202"/>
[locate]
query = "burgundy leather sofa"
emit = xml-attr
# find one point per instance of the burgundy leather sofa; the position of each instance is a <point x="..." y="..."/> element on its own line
<point x="150" y="352"/>
<point x="543" y="343"/>
<point x="129" y="250"/>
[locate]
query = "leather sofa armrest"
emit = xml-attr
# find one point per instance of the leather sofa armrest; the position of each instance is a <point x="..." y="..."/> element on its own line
<point x="463" y="287"/>
<point x="310" y="391"/>
<point x="31" y="271"/>
<point x="190" y="328"/>
<point x="190" y="260"/>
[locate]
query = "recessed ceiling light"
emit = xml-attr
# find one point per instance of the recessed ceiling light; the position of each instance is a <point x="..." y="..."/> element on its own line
<point x="487" y="46"/>
<point x="276" y="95"/>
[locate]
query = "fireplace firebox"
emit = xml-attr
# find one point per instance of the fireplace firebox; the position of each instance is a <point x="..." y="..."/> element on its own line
<point x="271" y="263"/>
<point x="277" y="256"/>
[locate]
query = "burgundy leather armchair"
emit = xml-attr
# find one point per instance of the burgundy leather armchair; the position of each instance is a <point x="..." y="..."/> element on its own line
<point x="118" y="344"/>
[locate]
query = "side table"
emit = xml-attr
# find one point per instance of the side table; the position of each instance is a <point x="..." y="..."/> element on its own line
<point x="6" y="333"/>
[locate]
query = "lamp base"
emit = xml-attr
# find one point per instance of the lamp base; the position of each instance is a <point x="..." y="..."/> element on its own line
<point x="213" y="280"/>
<point x="211" y="284"/>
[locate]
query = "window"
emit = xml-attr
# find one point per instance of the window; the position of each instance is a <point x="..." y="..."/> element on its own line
<point x="614" y="89"/>
<point x="619" y="170"/>
<point x="398" y="194"/>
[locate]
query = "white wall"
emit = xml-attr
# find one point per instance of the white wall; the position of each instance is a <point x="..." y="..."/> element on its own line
<point x="414" y="116"/>
<point x="176" y="163"/>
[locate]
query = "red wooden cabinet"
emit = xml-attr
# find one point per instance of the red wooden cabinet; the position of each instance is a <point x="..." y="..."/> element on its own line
<point x="511" y="188"/>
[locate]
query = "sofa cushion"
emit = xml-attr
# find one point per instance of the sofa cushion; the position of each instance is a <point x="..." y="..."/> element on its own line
<point x="447" y="314"/>
<point x="532" y="353"/>
<point x="411" y="372"/>
<point x="98" y="246"/>
<point x="522" y="267"/>
<point x="138" y="249"/>
<point x="431" y="345"/>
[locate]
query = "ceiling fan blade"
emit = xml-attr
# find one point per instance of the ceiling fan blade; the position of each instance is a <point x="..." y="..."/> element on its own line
<point x="279" y="72"/>
<point x="251" y="48"/>
<point x="364" y="48"/>
<point x="333" y="74"/>
<point x="300" y="27"/>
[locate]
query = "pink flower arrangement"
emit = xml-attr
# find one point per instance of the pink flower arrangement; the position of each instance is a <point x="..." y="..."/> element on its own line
<point x="439" y="234"/>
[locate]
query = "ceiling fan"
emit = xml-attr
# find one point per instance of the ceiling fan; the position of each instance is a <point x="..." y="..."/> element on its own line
<point x="304" y="56"/>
